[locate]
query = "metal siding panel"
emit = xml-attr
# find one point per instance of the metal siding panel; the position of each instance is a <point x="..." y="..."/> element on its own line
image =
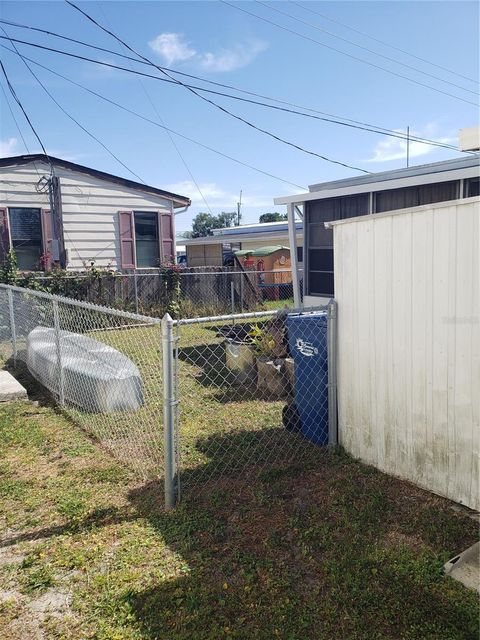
<point x="439" y="340"/>
<point x="464" y="323"/>
<point x="424" y="339"/>
<point x="365" y="348"/>
<point x="419" y="337"/>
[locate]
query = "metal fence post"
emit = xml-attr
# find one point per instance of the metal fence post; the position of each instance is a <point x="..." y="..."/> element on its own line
<point x="13" y="330"/>
<point x="332" y="373"/>
<point x="232" y="296"/>
<point x="168" y="410"/>
<point x="241" y="292"/>
<point x="58" y="348"/>
<point x="135" y="286"/>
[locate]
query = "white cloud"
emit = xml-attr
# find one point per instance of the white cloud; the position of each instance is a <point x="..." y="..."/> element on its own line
<point x="173" y="48"/>
<point x="229" y="59"/>
<point x="8" y="147"/>
<point x="217" y="197"/>
<point x="390" y="149"/>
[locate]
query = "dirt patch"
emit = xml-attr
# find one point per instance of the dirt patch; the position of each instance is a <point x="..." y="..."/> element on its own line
<point x="10" y="556"/>
<point x="396" y="538"/>
<point x="53" y="602"/>
<point x="29" y="621"/>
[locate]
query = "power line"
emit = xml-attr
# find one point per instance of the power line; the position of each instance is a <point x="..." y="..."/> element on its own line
<point x="376" y="53"/>
<point x="214" y="104"/>
<point x="170" y="137"/>
<point x="175" y="82"/>
<point x="386" y="44"/>
<point x="18" y="101"/>
<point x="15" y="119"/>
<point x="344" y="53"/>
<point x="157" y="124"/>
<point x="65" y="112"/>
<point x="332" y="118"/>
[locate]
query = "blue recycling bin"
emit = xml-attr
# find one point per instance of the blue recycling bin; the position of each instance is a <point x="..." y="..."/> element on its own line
<point x="307" y="339"/>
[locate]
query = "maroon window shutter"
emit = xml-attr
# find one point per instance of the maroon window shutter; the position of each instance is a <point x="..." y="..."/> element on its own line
<point x="4" y="235"/>
<point x="47" y="239"/>
<point x="166" y="237"/>
<point x="127" y="239"/>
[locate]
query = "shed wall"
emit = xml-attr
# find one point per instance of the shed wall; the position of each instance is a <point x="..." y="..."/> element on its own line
<point x="407" y="287"/>
<point x="204" y="255"/>
<point x="90" y="209"/>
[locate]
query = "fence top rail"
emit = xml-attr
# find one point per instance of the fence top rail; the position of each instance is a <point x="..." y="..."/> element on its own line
<point x="252" y="314"/>
<point x="84" y="305"/>
<point x="120" y="274"/>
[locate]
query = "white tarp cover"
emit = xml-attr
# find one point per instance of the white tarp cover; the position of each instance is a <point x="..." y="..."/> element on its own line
<point x="96" y="377"/>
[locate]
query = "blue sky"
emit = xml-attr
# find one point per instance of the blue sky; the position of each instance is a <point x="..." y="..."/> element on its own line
<point x="220" y="43"/>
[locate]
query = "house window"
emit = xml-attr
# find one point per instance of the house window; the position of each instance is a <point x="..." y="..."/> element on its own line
<point x="406" y="197"/>
<point x="472" y="187"/>
<point x="26" y="237"/>
<point x="147" y="245"/>
<point x="319" y="241"/>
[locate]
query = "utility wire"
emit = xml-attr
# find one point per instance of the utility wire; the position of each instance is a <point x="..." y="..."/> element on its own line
<point x="344" y="53"/>
<point x="12" y="113"/>
<point x="65" y="112"/>
<point x="157" y="124"/>
<point x="215" y="104"/>
<point x="15" y="119"/>
<point x="326" y="117"/>
<point x="189" y="75"/>
<point x="19" y="102"/>
<point x="386" y="44"/>
<point x="175" y="82"/>
<point x="376" y="53"/>
<point x="170" y="137"/>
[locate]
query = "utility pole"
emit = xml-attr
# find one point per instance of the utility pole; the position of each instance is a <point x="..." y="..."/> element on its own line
<point x="408" y="146"/>
<point x="239" y="209"/>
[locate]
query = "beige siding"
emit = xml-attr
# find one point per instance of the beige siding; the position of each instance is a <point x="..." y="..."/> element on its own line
<point x="90" y="209"/>
<point x="407" y="286"/>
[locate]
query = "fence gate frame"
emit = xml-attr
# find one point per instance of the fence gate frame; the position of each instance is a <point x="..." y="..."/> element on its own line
<point x="172" y="396"/>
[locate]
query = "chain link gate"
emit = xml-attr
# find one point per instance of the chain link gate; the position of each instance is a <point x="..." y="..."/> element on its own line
<point x="246" y="394"/>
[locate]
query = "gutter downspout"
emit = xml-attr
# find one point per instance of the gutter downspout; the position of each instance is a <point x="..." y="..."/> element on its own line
<point x="176" y="213"/>
<point x="181" y="210"/>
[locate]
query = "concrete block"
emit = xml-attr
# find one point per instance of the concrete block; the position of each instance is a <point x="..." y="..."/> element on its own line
<point x="10" y="389"/>
<point x="466" y="567"/>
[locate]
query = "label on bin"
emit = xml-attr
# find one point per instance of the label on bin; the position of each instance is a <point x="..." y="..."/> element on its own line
<point x="306" y="348"/>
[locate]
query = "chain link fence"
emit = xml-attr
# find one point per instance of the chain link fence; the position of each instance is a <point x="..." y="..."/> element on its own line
<point x="103" y="368"/>
<point x="192" y="401"/>
<point x="251" y="393"/>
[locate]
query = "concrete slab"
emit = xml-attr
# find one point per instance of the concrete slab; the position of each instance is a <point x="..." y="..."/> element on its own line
<point x="10" y="389"/>
<point x="466" y="567"/>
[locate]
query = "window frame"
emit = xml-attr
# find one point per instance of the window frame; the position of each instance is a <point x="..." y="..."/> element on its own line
<point x="42" y="241"/>
<point x="156" y="216"/>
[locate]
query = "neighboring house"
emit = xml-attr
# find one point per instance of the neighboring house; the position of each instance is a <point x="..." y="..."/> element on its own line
<point x="210" y="250"/>
<point x="399" y="189"/>
<point x="97" y="217"/>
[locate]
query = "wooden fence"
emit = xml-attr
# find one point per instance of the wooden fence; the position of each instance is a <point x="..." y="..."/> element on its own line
<point x="200" y="291"/>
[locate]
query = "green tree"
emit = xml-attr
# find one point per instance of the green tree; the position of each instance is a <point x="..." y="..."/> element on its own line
<point x="204" y="223"/>
<point x="273" y="217"/>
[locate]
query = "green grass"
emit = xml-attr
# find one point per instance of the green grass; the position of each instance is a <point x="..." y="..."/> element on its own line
<point x="325" y="550"/>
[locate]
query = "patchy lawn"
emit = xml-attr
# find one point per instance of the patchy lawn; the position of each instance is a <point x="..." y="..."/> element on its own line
<point x="329" y="550"/>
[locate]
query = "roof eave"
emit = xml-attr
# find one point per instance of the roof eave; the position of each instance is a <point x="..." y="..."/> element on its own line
<point x="181" y="201"/>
